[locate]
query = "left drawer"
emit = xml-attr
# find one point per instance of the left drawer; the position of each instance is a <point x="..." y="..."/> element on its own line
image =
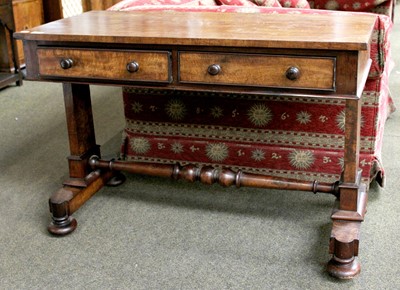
<point x="104" y="64"/>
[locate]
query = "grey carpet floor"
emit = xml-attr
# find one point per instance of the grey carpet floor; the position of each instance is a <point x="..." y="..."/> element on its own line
<point x="152" y="233"/>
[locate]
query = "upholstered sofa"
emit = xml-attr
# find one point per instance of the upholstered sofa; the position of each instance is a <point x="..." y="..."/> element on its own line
<point x="291" y="137"/>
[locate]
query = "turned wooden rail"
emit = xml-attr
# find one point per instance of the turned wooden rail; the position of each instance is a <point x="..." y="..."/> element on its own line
<point x="209" y="175"/>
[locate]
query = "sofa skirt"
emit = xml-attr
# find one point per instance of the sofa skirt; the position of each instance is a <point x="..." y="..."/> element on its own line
<point x="291" y="137"/>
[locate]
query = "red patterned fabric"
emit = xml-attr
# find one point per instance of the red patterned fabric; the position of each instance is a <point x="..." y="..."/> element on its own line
<point x="236" y="2"/>
<point x="386" y="8"/>
<point x="347" y="5"/>
<point x="266" y="3"/>
<point x="296" y="138"/>
<point x="383" y="7"/>
<point x="294" y="4"/>
<point x="290" y="137"/>
<point x="126" y="4"/>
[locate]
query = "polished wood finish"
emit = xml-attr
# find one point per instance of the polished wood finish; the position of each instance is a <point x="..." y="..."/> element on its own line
<point x="82" y="140"/>
<point x="211" y="29"/>
<point x="152" y="66"/>
<point x="9" y="59"/>
<point x="206" y="52"/>
<point x="210" y="175"/>
<point x="98" y="4"/>
<point x="27" y="14"/>
<point x="52" y="10"/>
<point x="24" y="14"/>
<point x="257" y="70"/>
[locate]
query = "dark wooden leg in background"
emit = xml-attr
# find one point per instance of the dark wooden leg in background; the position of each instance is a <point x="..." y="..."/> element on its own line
<point x="351" y="206"/>
<point x="82" y="183"/>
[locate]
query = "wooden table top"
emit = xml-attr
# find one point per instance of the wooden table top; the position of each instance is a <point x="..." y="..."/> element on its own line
<point x="300" y="31"/>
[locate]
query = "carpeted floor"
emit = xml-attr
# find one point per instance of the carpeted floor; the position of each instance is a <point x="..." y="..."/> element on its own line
<point x="153" y="233"/>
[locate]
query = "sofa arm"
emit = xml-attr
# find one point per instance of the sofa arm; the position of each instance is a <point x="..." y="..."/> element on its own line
<point x="380" y="47"/>
<point x="384" y="7"/>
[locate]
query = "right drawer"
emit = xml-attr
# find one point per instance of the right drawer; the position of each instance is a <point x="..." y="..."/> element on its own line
<point x="281" y="71"/>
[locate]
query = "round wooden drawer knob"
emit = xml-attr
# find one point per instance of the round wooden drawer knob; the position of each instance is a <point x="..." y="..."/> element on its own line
<point x="293" y="73"/>
<point x="214" y="69"/>
<point x="66" y="63"/>
<point x="132" y="67"/>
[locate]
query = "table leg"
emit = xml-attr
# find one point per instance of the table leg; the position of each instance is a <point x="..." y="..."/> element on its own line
<point x="350" y="208"/>
<point x="82" y="182"/>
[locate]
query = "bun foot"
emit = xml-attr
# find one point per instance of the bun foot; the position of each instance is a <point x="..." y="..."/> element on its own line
<point x="62" y="227"/>
<point x="343" y="269"/>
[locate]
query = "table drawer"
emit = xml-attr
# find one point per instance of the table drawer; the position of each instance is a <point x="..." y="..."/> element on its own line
<point x="304" y="72"/>
<point x="120" y="65"/>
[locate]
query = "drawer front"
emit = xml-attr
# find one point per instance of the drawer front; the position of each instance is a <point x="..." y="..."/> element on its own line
<point x="315" y="73"/>
<point x="149" y="66"/>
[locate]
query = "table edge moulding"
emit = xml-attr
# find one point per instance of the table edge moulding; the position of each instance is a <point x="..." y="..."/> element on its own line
<point x="200" y="51"/>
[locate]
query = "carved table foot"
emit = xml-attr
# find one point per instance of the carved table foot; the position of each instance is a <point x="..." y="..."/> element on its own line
<point x="343" y="269"/>
<point x="345" y="237"/>
<point x="62" y="223"/>
<point x="344" y="249"/>
<point x="69" y="199"/>
<point x="62" y="227"/>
